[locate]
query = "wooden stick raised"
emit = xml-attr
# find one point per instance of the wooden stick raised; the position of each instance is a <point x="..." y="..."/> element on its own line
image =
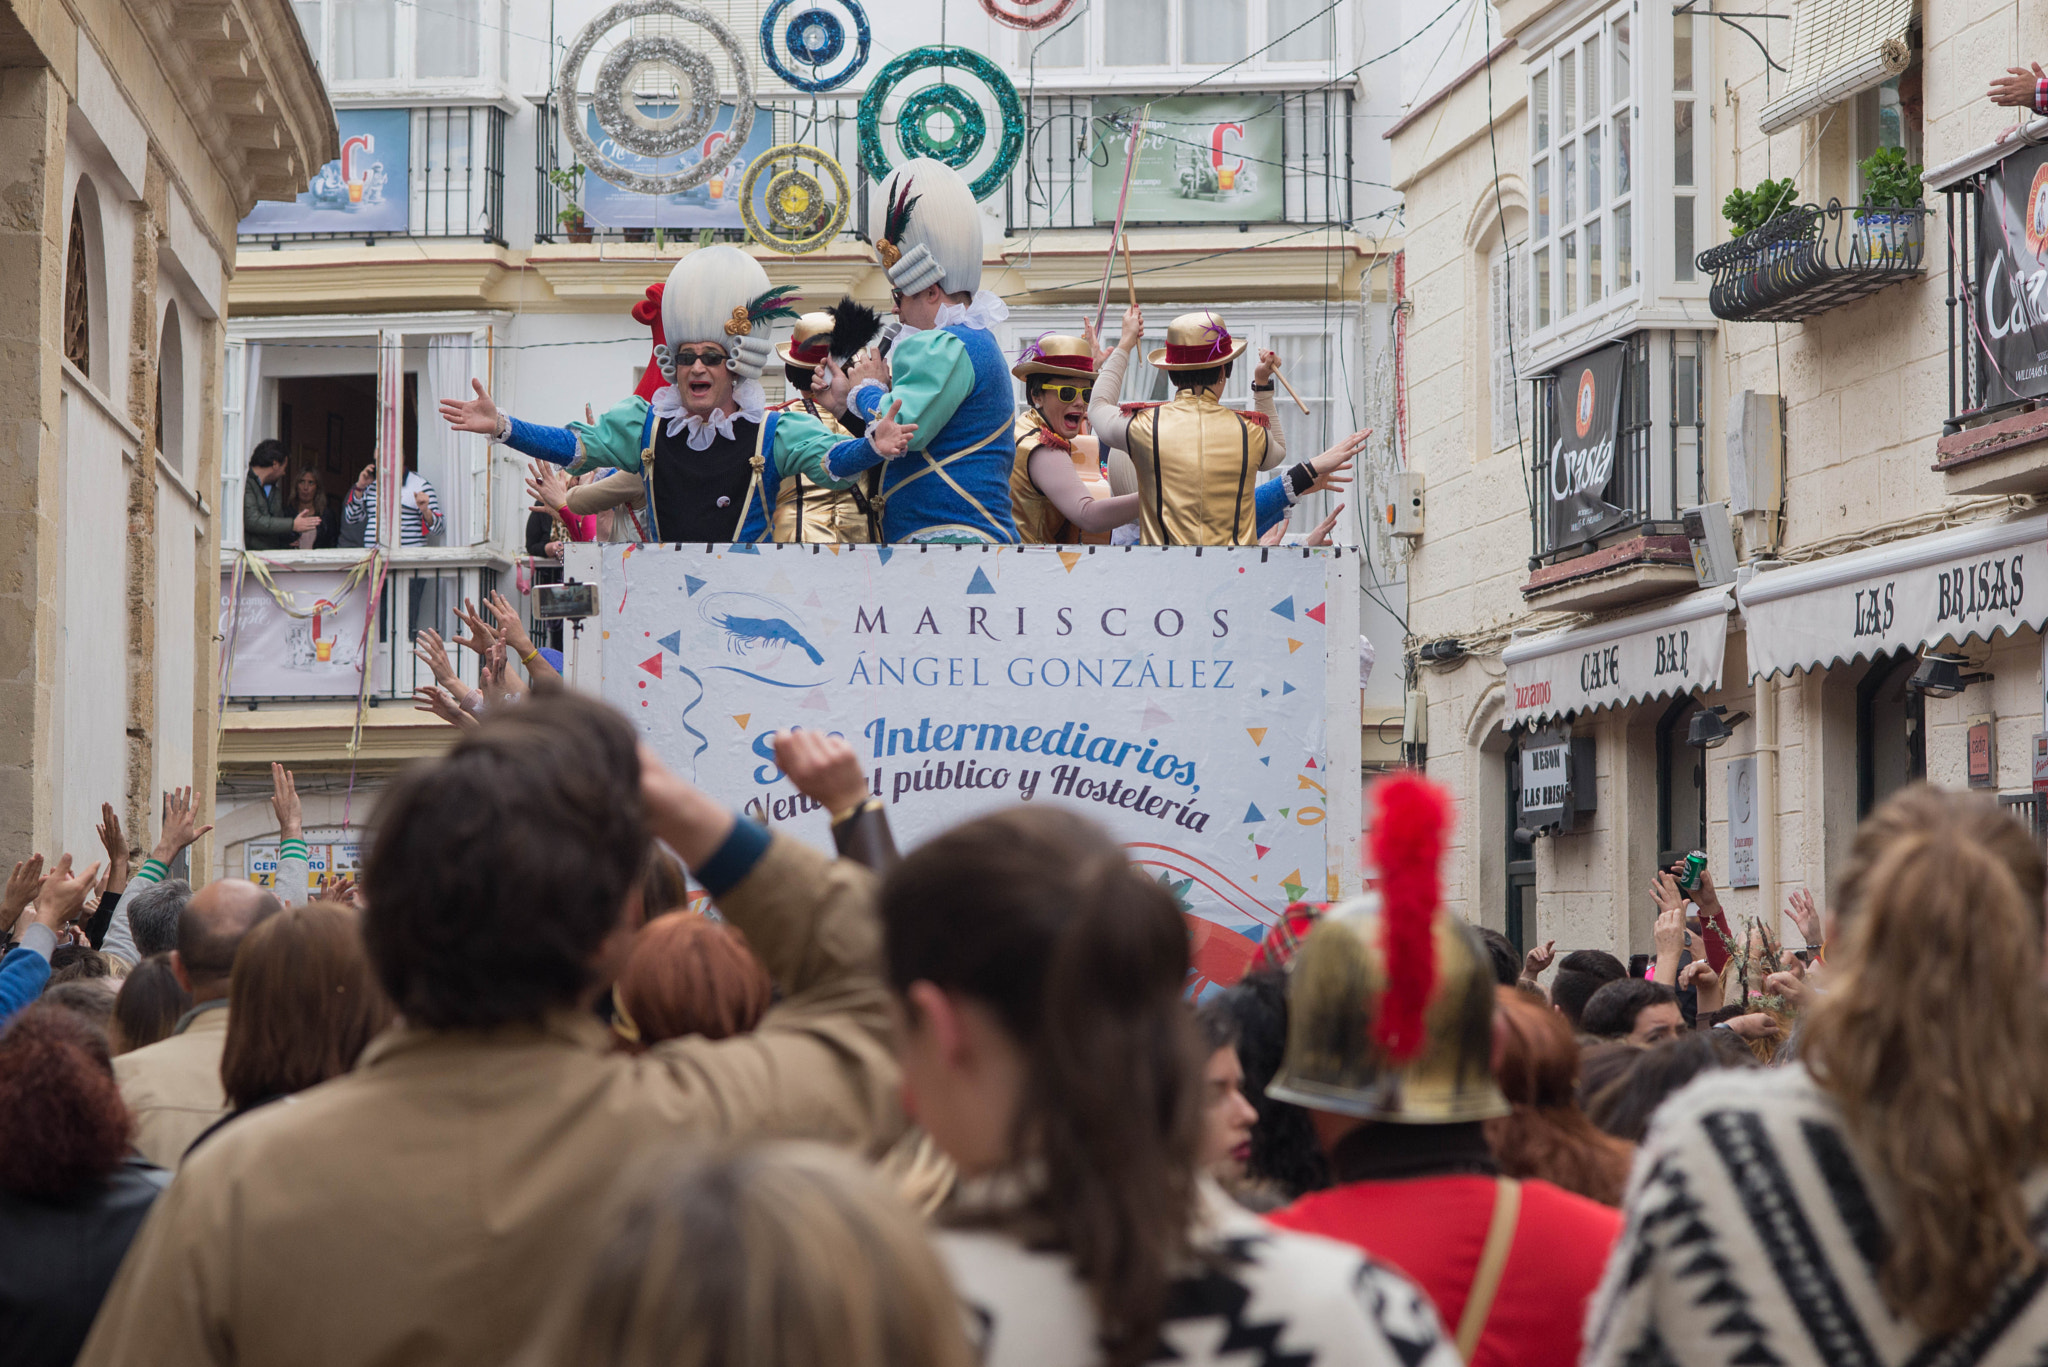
<point x="1288" y="387"/>
<point x="1130" y="281"/>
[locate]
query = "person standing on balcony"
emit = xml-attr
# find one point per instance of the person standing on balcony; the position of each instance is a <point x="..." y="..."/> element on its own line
<point x="266" y="526"/>
<point x="419" y="507"/>
<point x="710" y="455"/>
<point x="946" y="372"/>
<point x="2022" y="88"/>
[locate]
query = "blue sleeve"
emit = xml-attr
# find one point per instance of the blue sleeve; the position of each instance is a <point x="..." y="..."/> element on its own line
<point x="555" y="445"/>
<point x="722" y="872"/>
<point x="26" y="971"/>
<point x="1270" y="502"/>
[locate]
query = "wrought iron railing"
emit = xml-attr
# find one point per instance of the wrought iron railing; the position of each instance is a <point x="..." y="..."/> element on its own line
<point x="1814" y="258"/>
<point x="1070" y="146"/>
<point x="455" y="180"/>
<point x="825" y="124"/>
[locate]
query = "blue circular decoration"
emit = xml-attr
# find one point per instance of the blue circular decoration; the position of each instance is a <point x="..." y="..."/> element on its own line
<point x="957" y="147"/>
<point x="815" y="38"/>
<point x="970" y="118"/>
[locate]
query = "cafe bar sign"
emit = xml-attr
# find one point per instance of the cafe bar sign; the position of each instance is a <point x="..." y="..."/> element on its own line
<point x="1675" y="649"/>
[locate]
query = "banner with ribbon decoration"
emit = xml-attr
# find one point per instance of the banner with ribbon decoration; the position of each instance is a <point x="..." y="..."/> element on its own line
<point x="309" y="640"/>
<point x="1196" y="702"/>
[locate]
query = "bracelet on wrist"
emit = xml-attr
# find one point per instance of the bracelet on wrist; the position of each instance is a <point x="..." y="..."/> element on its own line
<point x="867" y="803"/>
<point x="1262" y="388"/>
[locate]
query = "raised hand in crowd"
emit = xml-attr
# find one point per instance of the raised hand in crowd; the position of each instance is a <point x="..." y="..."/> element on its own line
<point x="1805" y="915"/>
<point x="2018" y="87"/>
<point x="549" y="485"/>
<point x="1133" y="329"/>
<point x="1665" y="892"/>
<point x="430" y="651"/>
<point x="1537" y="961"/>
<point x="481" y="637"/>
<point x="434" y="699"/>
<point x="284" y="800"/>
<point x="501" y="682"/>
<point x="1790" y="982"/>
<point x="1275" y="534"/>
<point x="345" y="889"/>
<point x="1319" y="535"/>
<point x="512" y="631"/>
<point x="477" y="415"/>
<point x="1755" y="1025"/>
<point x="1668" y="937"/>
<point x="22" y="886"/>
<point x="1337" y="461"/>
<point x="1700" y="976"/>
<point x="116" y="845"/>
<point x="889" y="437"/>
<point x="1095" y="346"/>
<point x="178" y="831"/>
<point x="824" y="768"/>
<point x="63" y="897"/>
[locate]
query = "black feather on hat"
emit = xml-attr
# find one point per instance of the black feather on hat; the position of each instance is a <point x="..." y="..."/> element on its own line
<point x="854" y="326"/>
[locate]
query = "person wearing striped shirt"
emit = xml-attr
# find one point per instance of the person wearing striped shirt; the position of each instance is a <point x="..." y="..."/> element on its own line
<point x="419" y="507"/>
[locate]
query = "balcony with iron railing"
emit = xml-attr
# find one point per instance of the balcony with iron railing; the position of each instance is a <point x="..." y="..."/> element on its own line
<point x="455" y="182"/>
<point x="1811" y="258"/>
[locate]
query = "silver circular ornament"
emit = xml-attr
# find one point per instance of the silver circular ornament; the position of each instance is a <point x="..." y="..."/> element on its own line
<point x="619" y="115"/>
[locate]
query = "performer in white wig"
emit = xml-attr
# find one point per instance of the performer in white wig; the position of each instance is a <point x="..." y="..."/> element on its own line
<point x="710" y="456"/>
<point x="946" y="371"/>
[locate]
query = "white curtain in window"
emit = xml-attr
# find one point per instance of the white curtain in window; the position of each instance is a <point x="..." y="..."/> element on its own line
<point x="365" y="40"/>
<point x="1213" y="31"/>
<point x="1510" y="395"/>
<point x="1304" y="360"/>
<point x="243" y="363"/>
<point x="447" y="40"/>
<point x="1316" y="37"/>
<point x="458" y="461"/>
<point x="1135" y="33"/>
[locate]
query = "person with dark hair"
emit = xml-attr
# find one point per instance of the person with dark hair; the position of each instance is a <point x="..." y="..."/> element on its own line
<point x="422" y="1206"/>
<point x="1391" y="1034"/>
<point x="71" y="1194"/>
<point x="1877" y="1201"/>
<point x="1227" y="1117"/>
<point x="688" y="975"/>
<point x="1058" y="492"/>
<point x="1623" y="1107"/>
<point x="69" y="963"/>
<point x="1632" y="1009"/>
<point x="1580" y="974"/>
<point x="267" y="525"/>
<point x="173" y="1087"/>
<point x="149" y="1005"/>
<point x="1536" y="1063"/>
<point x="303" y="1004"/>
<point x="1047" y="1050"/>
<point x="1285" y="1160"/>
<point x="1602" y="1063"/>
<point x="1501" y="953"/>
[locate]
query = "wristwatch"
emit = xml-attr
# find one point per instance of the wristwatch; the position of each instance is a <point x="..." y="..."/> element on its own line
<point x="1262" y="388"/>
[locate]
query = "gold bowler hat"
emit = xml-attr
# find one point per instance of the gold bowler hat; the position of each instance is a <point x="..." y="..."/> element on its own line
<point x="810" y="341"/>
<point x="1196" y="341"/>
<point x="1053" y="354"/>
<point x="1335" y="990"/>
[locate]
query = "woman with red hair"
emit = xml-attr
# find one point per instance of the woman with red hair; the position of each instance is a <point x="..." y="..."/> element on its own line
<point x="72" y="1191"/>
<point x="689" y="975"/>
<point x="1536" y="1063"/>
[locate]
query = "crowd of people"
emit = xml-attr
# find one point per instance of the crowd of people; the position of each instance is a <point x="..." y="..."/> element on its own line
<point x="516" y="1098"/>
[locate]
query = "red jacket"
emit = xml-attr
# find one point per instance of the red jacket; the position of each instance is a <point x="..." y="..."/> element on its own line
<point x="1433" y="1229"/>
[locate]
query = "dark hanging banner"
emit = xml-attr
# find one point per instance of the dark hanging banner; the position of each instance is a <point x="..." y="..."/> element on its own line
<point x="1585" y="419"/>
<point x="2012" y="278"/>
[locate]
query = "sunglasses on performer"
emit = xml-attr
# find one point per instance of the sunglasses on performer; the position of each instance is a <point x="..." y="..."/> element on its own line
<point x="1067" y="393"/>
<point x="712" y="359"/>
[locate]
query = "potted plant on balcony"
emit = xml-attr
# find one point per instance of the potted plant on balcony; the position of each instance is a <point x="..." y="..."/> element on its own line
<point x="1887" y="224"/>
<point x="1748" y="210"/>
<point x="568" y="182"/>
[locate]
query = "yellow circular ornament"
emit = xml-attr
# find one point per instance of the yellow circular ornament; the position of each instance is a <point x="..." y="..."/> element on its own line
<point x="795" y="198"/>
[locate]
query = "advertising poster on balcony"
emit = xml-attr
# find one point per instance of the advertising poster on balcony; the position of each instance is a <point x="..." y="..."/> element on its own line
<point x="1204" y="159"/>
<point x="1180" y="699"/>
<point x="2012" y="276"/>
<point x="714" y="204"/>
<point x="299" y="636"/>
<point x="1585" y="416"/>
<point x="365" y="191"/>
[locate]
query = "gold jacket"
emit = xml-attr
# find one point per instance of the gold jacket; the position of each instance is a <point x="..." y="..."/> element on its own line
<point x="1039" y="522"/>
<point x="1198" y="466"/>
<point x="808" y="512"/>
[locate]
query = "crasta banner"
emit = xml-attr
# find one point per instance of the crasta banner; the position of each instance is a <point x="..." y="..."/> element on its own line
<point x="2012" y="278"/>
<point x="1585" y="418"/>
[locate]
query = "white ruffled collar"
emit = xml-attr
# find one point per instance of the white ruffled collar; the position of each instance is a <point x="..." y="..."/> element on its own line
<point x="984" y="311"/>
<point x="668" y="408"/>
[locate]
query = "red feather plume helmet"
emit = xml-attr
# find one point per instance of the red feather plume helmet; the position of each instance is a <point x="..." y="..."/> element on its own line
<point x="1411" y="818"/>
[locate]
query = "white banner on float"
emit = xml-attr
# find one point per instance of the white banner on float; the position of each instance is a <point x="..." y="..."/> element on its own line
<point x="1674" y="649"/>
<point x="1981" y="580"/>
<point x="1197" y="704"/>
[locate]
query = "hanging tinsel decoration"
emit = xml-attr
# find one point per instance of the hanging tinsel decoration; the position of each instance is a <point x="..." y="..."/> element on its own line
<point x="619" y="114"/>
<point x="1027" y="14"/>
<point x="795" y="198"/>
<point x="943" y="121"/>
<point x="806" y="52"/>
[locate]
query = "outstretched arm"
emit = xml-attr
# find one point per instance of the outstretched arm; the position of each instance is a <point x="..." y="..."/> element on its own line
<point x="1105" y="419"/>
<point x="1059" y="481"/>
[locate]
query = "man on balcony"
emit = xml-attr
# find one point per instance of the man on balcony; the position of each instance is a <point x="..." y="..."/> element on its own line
<point x="266" y="526"/>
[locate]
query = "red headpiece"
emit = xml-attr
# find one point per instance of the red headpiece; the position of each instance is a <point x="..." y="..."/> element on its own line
<point x="1410" y="819"/>
<point x="648" y="312"/>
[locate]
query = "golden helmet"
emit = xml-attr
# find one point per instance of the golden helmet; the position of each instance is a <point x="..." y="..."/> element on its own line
<point x="1335" y="991"/>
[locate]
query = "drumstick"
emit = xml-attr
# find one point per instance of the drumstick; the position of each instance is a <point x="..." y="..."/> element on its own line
<point x="1289" y="388"/>
<point x="1130" y="281"/>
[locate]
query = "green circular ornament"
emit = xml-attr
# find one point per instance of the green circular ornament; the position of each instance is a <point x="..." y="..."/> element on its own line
<point x="914" y="131"/>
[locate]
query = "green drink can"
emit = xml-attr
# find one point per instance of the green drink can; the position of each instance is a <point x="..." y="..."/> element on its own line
<point x="1695" y="865"/>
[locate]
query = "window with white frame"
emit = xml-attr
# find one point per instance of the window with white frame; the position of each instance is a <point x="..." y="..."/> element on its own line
<point x="1582" y="168"/>
<point x="1174" y="34"/>
<point x="1691" y="143"/>
<point x="385" y="43"/>
<point x="1507" y="314"/>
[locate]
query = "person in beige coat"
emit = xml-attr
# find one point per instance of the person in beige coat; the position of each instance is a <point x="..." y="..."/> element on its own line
<point x="420" y="1209"/>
